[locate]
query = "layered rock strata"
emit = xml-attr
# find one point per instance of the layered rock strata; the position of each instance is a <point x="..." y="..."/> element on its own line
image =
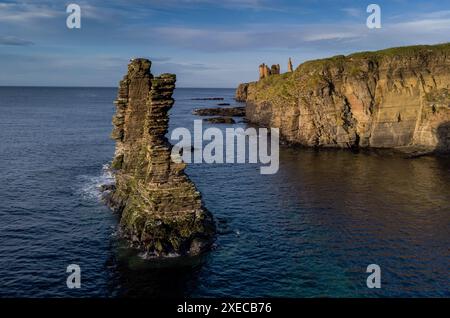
<point x="161" y="212"/>
<point x="392" y="98"/>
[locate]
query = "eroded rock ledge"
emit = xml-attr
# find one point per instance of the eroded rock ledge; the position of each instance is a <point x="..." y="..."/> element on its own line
<point x="220" y="111"/>
<point x="161" y="211"/>
<point x="395" y="98"/>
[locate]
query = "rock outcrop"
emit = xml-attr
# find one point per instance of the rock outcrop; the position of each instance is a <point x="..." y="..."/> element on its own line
<point x="220" y="120"/>
<point x="161" y="212"/>
<point x="290" y="67"/>
<point x="241" y="92"/>
<point x="392" y="98"/>
<point x="220" y="111"/>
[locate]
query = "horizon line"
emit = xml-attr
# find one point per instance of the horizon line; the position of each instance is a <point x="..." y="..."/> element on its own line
<point x="51" y="86"/>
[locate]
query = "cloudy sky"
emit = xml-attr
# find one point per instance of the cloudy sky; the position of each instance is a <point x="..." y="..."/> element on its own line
<point x="207" y="43"/>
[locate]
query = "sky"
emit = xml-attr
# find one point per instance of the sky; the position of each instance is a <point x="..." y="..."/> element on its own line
<point x="207" y="43"/>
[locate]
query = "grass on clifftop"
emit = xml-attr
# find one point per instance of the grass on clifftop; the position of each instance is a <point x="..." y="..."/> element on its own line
<point x="283" y="87"/>
<point x="403" y="51"/>
<point x="280" y="86"/>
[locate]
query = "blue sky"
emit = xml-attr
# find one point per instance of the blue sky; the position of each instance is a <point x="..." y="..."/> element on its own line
<point x="207" y="43"/>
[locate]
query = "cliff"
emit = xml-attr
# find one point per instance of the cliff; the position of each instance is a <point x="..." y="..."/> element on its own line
<point x="241" y="92"/>
<point x="397" y="97"/>
<point x="161" y="212"/>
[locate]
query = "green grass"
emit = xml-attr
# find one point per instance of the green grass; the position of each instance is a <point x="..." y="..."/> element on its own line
<point x="404" y="51"/>
<point x="284" y="88"/>
<point x="341" y="60"/>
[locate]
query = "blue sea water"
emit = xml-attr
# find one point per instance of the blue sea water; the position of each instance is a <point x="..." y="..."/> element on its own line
<point x="310" y="230"/>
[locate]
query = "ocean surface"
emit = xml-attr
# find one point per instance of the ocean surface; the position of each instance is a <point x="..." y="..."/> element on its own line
<point x="310" y="230"/>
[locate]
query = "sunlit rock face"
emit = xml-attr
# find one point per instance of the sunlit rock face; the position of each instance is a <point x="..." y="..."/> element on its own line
<point x="161" y="210"/>
<point x="394" y="98"/>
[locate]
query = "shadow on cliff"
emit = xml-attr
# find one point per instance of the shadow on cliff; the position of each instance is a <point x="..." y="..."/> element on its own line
<point x="443" y="135"/>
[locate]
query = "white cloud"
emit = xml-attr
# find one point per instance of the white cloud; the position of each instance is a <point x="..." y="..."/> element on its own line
<point x="14" y="41"/>
<point x="254" y="36"/>
<point x="330" y="36"/>
<point x="437" y="14"/>
<point x="424" y="26"/>
<point x="228" y="4"/>
<point x="353" y="12"/>
<point x="23" y="12"/>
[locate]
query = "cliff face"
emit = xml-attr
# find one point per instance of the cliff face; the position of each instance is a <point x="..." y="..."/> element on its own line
<point x="161" y="210"/>
<point x="392" y="98"/>
<point x="241" y="92"/>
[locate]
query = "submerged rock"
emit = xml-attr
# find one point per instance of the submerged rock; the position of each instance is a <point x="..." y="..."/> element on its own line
<point x="161" y="211"/>
<point x="220" y="111"/>
<point x="208" y="98"/>
<point x="220" y="120"/>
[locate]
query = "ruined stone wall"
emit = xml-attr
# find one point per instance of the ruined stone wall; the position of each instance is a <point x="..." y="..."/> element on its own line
<point x="275" y="69"/>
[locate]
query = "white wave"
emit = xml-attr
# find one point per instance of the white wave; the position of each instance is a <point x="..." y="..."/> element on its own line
<point x="91" y="185"/>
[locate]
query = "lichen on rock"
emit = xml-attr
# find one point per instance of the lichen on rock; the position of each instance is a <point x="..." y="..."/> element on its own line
<point x="161" y="211"/>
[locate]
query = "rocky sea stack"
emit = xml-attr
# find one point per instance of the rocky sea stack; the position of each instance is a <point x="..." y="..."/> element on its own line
<point x="395" y="98"/>
<point x="161" y="211"/>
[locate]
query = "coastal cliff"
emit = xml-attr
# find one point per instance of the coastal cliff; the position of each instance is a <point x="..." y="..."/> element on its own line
<point x="161" y="212"/>
<point x="393" y="98"/>
<point x="241" y="92"/>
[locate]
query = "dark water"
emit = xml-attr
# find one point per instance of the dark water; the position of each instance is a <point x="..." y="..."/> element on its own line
<point x="310" y="230"/>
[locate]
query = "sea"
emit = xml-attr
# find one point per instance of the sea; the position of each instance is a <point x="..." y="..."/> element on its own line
<point x="310" y="230"/>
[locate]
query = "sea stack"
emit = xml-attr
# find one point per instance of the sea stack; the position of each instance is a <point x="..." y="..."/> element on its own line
<point x="161" y="211"/>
